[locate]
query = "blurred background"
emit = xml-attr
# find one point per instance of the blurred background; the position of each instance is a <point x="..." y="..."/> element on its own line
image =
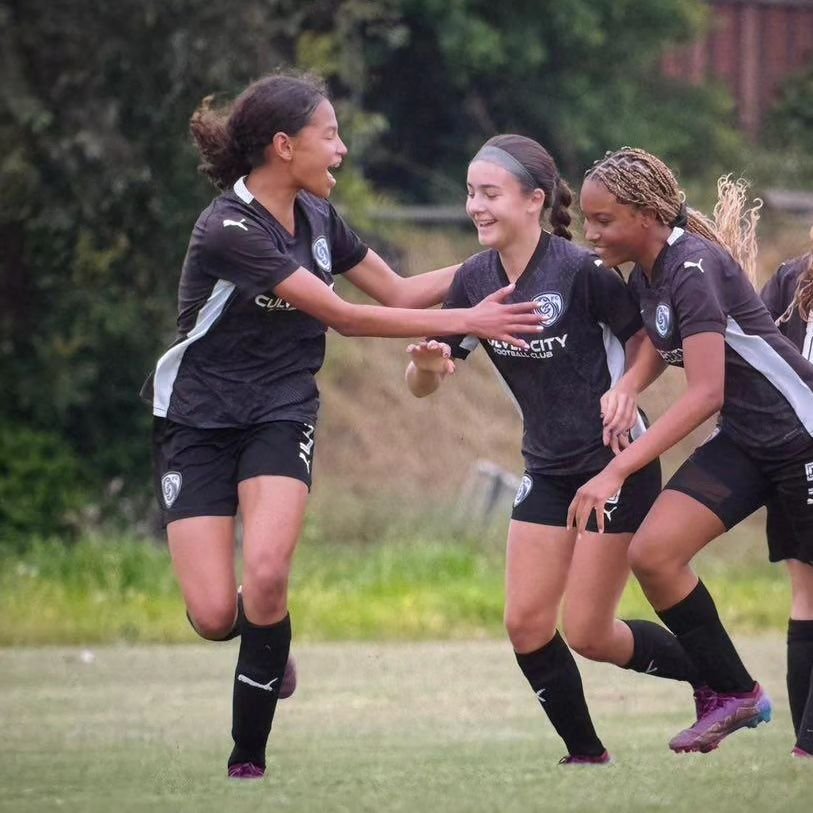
<point x="99" y="191"/>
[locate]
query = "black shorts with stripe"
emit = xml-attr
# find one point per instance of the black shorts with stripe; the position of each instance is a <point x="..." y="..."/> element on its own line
<point x="545" y="498"/>
<point x="196" y="471"/>
<point x="733" y="483"/>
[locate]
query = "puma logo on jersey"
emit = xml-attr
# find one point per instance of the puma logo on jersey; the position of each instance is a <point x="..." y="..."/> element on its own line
<point x="241" y="223"/>
<point x="698" y="265"/>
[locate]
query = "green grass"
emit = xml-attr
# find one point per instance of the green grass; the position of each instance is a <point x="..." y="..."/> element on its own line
<point x="105" y="590"/>
<point x="373" y="727"/>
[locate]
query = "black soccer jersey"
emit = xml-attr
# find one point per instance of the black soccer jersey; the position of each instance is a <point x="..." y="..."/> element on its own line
<point x="698" y="288"/>
<point x="244" y="356"/>
<point x="557" y="383"/>
<point x="777" y="296"/>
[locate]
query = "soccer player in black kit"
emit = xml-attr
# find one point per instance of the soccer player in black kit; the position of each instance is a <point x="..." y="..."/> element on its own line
<point x="788" y="295"/>
<point x="558" y="383"/>
<point x="234" y="398"/>
<point x="701" y="313"/>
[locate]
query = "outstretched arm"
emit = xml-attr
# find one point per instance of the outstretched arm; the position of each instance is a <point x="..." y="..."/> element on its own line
<point x="488" y="319"/>
<point x="373" y="276"/>
<point x="704" y="363"/>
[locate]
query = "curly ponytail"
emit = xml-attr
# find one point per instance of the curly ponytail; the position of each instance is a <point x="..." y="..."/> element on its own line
<point x="231" y="141"/>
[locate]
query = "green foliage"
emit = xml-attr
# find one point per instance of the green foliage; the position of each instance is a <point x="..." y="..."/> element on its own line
<point x="42" y="487"/>
<point x="105" y="589"/>
<point x="581" y="77"/>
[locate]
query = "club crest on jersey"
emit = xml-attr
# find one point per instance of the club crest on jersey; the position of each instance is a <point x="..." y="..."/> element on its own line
<point x="663" y="320"/>
<point x="525" y="486"/>
<point x="549" y="307"/>
<point x="171" y="484"/>
<point x="321" y="254"/>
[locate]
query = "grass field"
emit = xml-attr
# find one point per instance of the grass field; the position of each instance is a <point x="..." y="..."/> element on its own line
<point x="373" y="727"/>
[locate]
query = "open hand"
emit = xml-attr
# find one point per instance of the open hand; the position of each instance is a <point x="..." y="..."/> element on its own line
<point x="493" y="319"/>
<point x="593" y="496"/>
<point x="432" y="356"/>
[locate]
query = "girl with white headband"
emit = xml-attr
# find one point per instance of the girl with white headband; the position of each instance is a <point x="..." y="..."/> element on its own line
<point x="558" y="382"/>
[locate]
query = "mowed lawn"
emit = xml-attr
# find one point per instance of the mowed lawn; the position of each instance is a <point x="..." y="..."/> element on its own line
<point x="372" y="727"/>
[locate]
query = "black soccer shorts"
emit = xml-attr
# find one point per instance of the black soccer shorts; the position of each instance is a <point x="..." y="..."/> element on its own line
<point x="545" y="498"/>
<point x="733" y="483"/>
<point x="196" y="471"/>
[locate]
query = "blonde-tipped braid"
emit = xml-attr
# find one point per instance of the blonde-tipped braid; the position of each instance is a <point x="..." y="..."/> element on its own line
<point x="803" y="295"/>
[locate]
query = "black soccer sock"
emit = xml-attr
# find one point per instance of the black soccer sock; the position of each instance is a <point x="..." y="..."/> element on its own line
<point x="260" y="666"/>
<point x="656" y="651"/>
<point x="698" y="628"/>
<point x="800" y="681"/>
<point x="233" y="632"/>
<point x="555" y="679"/>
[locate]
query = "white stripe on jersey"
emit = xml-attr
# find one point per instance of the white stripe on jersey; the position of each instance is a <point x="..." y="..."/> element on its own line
<point x="764" y="359"/>
<point x="616" y="364"/>
<point x="166" y="370"/>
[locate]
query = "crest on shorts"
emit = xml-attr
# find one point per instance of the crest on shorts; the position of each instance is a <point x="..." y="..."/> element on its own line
<point x="524" y="489"/>
<point x="549" y="307"/>
<point x="663" y="320"/>
<point x="321" y="253"/>
<point x="171" y="484"/>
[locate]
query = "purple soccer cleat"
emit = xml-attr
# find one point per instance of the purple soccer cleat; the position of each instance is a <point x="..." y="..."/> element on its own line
<point x="246" y="770"/>
<point x="575" y="759"/>
<point x="800" y="753"/>
<point x="288" y="685"/>
<point x="721" y="715"/>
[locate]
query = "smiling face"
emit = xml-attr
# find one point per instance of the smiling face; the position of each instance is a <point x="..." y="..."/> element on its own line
<point x="500" y="208"/>
<point x="315" y="150"/>
<point x="618" y="231"/>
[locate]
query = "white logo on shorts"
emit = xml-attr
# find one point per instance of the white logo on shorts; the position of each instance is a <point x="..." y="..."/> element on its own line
<point x="321" y="253"/>
<point x="613" y="501"/>
<point x="306" y="447"/>
<point x="171" y="484"/>
<point x="809" y="471"/>
<point x="524" y="489"/>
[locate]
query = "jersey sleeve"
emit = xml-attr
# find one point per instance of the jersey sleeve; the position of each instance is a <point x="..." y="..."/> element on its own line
<point x="698" y="298"/>
<point x="771" y="294"/>
<point x="610" y="301"/>
<point x="457" y="297"/>
<point x="346" y="247"/>
<point x="245" y="255"/>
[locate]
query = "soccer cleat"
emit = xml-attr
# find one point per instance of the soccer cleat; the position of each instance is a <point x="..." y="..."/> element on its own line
<point x="800" y="753"/>
<point x="705" y="699"/>
<point x="575" y="759"/>
<point x="246" y="770"/>
<point x="721" y="715"/>
<point x="288" y="684"/>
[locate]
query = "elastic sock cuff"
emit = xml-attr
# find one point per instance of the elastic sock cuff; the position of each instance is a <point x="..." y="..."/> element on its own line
<point x="555" y="643"/>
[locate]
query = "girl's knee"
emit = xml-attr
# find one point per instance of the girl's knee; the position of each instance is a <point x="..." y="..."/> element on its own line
<point x="214" y="621"/>
<point x="529" y="630"/>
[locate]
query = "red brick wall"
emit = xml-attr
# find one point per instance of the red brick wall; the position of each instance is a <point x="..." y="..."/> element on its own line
<point x="751" y="46"/>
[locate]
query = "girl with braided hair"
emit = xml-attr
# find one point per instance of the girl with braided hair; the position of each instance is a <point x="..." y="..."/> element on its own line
<point x="788" y="296"/>
<point x="558" y="383"/>
<point x="702" y="313"/>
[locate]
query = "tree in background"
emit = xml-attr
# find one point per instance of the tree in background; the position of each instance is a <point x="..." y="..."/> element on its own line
<point x="99" y="190"/>
<point x="582" y="77"/>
